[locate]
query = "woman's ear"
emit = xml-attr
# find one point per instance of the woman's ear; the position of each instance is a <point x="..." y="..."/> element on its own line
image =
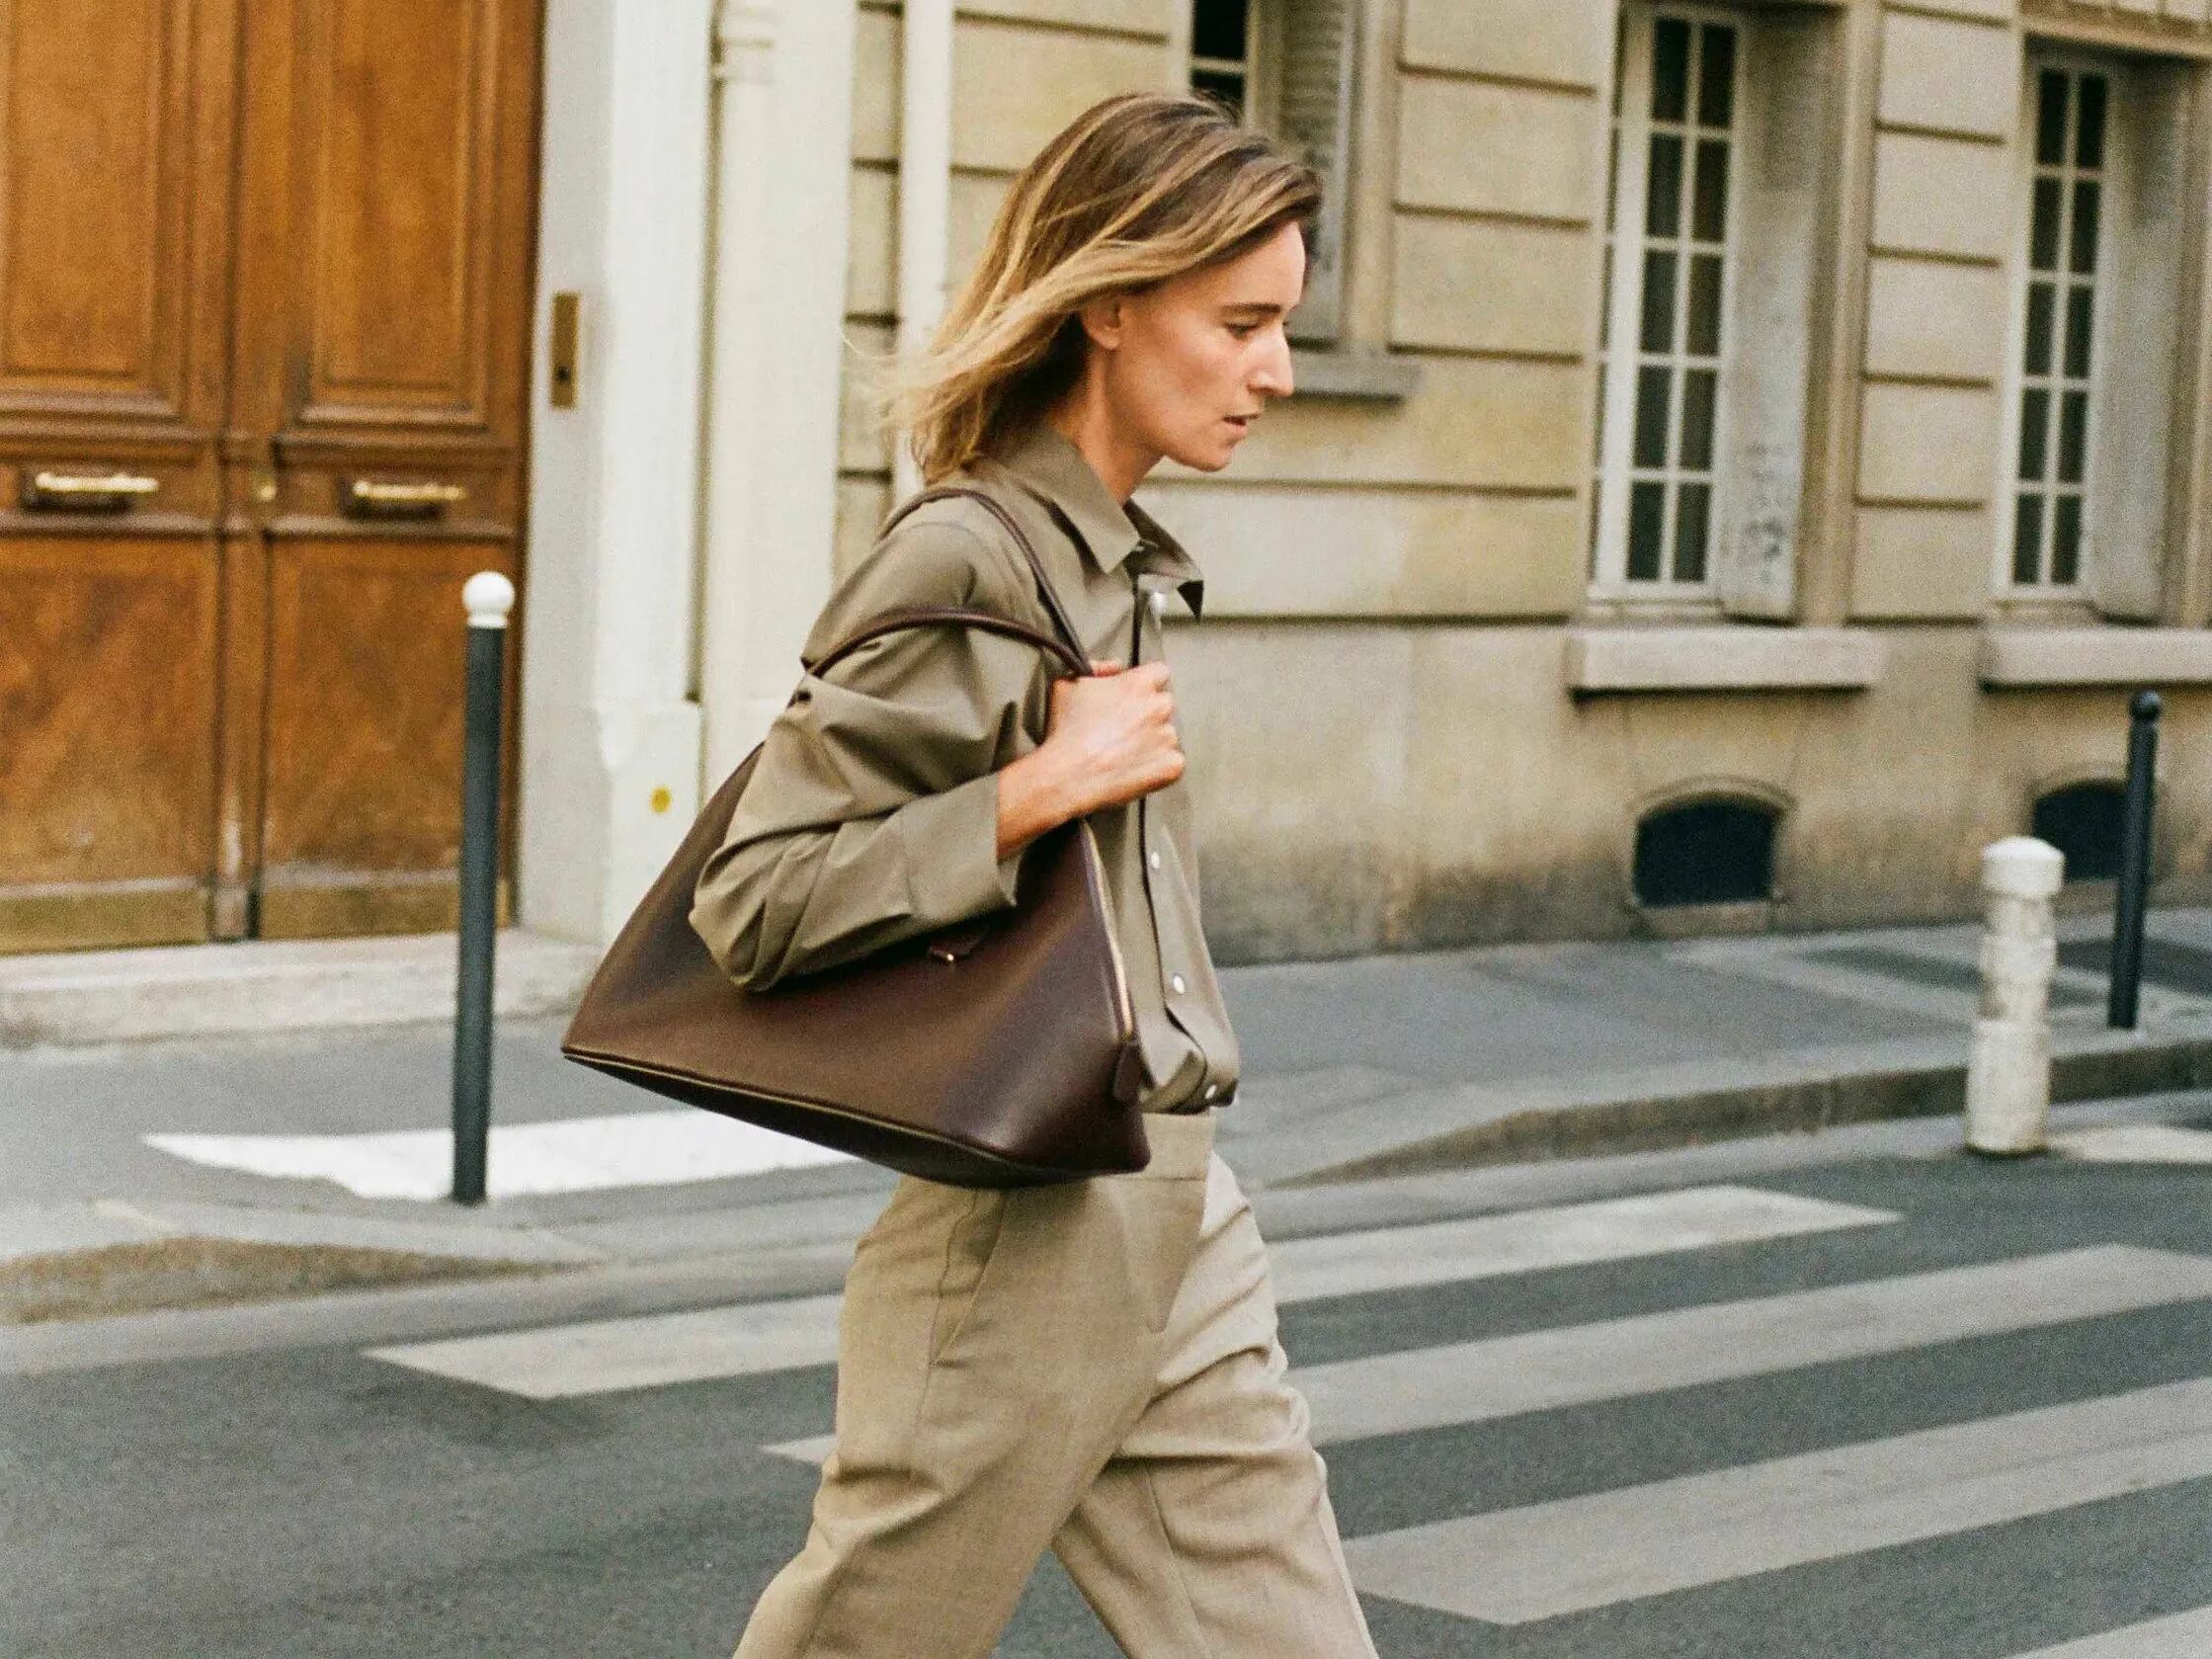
<point x="1102" y="321"/>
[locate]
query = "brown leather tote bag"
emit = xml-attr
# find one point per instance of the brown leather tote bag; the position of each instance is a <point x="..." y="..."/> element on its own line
<point x="1001" y="1052"/>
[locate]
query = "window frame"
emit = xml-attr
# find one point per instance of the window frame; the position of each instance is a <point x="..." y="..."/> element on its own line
<point x="2076" y="598"/>
<point x="1613" y="471"/>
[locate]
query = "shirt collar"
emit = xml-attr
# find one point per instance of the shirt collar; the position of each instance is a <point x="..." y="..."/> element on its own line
<point x="1051" y="468"/>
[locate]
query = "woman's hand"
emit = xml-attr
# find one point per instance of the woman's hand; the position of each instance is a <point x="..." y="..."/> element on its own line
<point x="1115" y="733"/>
<point x="1108" y="738"/>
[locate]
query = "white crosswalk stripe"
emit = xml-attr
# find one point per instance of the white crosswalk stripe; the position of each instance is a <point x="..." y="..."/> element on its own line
<point x="1512" y="1566"/>
<point x="2184" y="1635"/>
<point x="659" y="1350"/>
<point x="1614" y="1359"/>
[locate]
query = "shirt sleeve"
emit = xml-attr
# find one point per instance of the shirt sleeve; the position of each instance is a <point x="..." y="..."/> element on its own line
<point x="871" y="816"/>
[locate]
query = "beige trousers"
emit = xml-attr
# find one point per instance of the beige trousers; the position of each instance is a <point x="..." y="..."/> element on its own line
<point x="1089" y="1368"/>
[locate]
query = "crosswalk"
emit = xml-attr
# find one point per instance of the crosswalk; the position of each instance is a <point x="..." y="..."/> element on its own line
<point x="1589" y="1552"/>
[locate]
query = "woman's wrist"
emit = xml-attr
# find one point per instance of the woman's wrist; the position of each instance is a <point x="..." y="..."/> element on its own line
<point x="1034" y="795"/>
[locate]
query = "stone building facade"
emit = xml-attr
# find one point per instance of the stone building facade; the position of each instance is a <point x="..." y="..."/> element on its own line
<point x="1745" y="456"/>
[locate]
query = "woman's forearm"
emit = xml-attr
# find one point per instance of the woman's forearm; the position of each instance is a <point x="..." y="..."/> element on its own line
<point x="1034" y="794"/>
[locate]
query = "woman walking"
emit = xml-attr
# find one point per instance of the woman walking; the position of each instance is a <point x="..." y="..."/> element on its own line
<point x="1089" y="1368"/>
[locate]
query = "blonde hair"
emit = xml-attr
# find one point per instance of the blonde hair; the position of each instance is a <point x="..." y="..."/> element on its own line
<point x="1137" y="189"/>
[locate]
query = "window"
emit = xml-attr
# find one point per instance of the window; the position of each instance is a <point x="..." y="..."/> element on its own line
<point x="1222" y="51"/>
<point x="1666" y="258"/>
<point x="1285" y="66"/>
<point x="2083" y="520"/>
<point x="1720" y="118"/>
<point x="2064" y="214"/>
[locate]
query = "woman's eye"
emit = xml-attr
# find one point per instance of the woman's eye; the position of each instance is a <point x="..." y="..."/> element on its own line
<point x="1243" y="330"/>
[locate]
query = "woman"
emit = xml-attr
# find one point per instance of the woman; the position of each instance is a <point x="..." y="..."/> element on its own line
<point x="1089" y="1368"/>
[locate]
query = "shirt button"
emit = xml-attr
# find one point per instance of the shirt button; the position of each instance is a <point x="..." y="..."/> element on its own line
<point x="1175" y="983"/>
<point x="1156" y="861"/>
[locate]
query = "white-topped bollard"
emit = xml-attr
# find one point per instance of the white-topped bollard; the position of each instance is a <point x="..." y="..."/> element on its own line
<point x="488" y="597"/>
<point x="2008" y="1068"/>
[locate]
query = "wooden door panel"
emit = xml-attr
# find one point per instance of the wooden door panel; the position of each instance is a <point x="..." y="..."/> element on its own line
<point x="398" y="170"/>
<point x="107" y="778"/>
<point x="94" y="191"/>
<point x="361" y="826"/>
<point x="115" y="141"/>
<point x="381" y="352"/>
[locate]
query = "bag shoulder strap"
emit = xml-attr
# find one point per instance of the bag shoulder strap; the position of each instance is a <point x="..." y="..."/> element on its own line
<point x="1013" y="527"/>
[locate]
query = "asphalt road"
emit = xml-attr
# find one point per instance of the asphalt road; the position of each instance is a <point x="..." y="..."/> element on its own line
<point x="1917" y="1404"/>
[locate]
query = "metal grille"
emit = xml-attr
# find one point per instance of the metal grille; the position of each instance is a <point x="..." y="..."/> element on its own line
<point x="1669" y="229"/>
<point x="2066" y="210"/>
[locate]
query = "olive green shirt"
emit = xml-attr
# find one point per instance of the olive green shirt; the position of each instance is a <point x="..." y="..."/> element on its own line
<point x="873" y="816"/>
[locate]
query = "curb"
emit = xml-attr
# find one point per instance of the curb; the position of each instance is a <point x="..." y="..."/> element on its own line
<point x="2098" y="1068"/>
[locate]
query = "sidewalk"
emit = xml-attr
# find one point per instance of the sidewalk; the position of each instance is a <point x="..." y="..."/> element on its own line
<point x="1354" y="1071"/>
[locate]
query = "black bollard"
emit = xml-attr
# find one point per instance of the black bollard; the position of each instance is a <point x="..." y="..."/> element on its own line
<point x="489" y="596"/>
<point x="2135" y="862"/>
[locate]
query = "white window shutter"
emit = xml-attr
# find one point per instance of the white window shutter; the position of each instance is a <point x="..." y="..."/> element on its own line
<point x="1319" y="41"/>
<point x="2137" y="342"/>
<point x="1789" y="71"/>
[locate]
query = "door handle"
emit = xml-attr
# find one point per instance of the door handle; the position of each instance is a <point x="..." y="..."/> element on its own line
<point x="374" y="498"/>
<point x="84" y="492"/>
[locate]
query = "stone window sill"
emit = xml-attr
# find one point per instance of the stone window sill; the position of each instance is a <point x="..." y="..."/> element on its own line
<point x="1351" y="376"/>
<point x="2095" y="656"/>
<point x="1727" y="657"/>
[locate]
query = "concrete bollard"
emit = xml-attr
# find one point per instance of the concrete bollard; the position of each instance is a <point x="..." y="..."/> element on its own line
<point x="2009" y="1070"/>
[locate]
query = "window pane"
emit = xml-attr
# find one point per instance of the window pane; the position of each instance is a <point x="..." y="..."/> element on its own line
<point x="2043" y="226"/>
<point x="1658" y="333"/>
<point x="1654" y="384"/>
<point x="1716" y="76"/>
<point x="2085" y="227"/>
<point x="1228" y="88"/>
<point x="2040" y="305"/>
<point x="1695" y="446"/>
<point x="1693" y="522"/>
<point x="2088" y="140"/>
<point x="2035" y="428"/>
<point x="2066" y="540"/>
<point x="1670" y="69"/>
<point x="1606" y="303"/>
<point x="1647" y="518"/>
<point x="1612" y="180"/>
<point x="1217" y="29"/>
<point x="1709" y="211"/>
<point x="2074" y="430"/>
<point x="2079" y="305"/>
<point x="2027" y="539"/>
<point x="1663" y="193"/>
<point x="2050" y="118"/>
<point x="1704" y="304"/>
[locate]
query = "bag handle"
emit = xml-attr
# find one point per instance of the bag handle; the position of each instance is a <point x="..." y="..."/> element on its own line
<point x="1067" y="650"/>
<point x="1013" y="527"/>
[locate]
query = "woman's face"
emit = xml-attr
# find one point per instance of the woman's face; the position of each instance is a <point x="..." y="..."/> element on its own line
<point x="1191" y="362"/>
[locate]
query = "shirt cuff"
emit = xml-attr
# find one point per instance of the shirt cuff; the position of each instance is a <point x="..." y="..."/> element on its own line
<point x="951" y="841"/>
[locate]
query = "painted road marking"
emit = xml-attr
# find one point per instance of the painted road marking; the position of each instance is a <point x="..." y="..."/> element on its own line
<point x="569" y="1155"/>
<point x="658" y="1350"/>
<point x="1613" y="1358"/>
<point x="1541" y="1560"/>
<point x="2184" y="1635"/>
<point x="2136" y="1144"/>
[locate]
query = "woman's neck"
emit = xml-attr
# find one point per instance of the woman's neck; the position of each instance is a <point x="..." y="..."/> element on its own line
<point x="1119" y="462"/>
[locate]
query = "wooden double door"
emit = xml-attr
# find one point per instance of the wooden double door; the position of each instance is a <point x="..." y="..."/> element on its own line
<point x="265" y="301"/>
